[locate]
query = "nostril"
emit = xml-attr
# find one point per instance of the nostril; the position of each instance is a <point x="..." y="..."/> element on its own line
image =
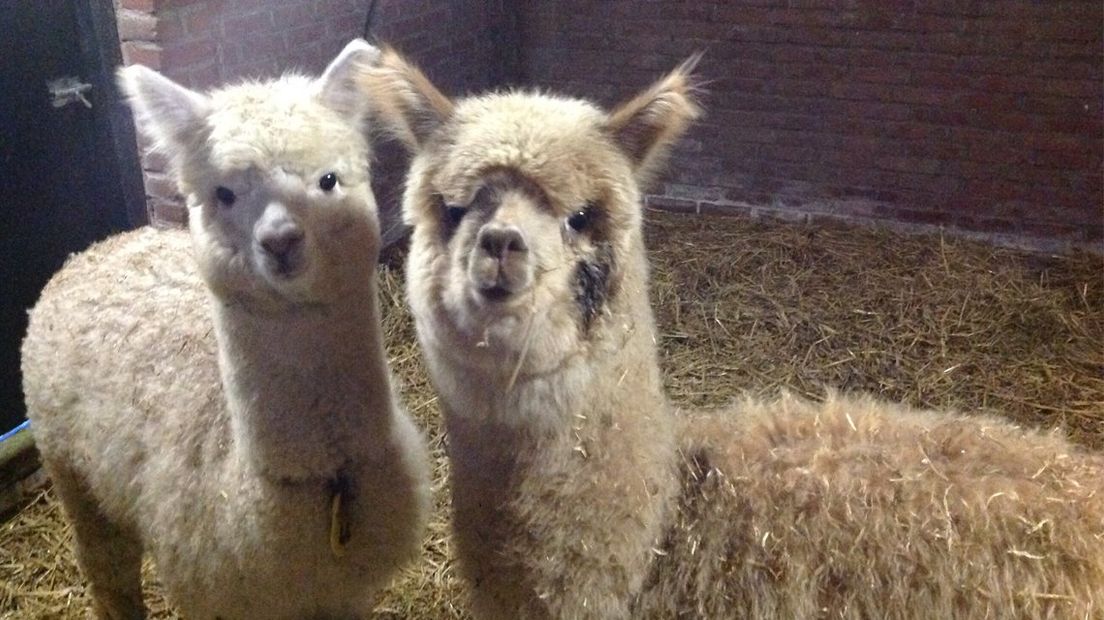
<point x="282" y="242"/>
<point x="517" y="244"/>
<point x="489" y="243"/>
<point x="498" y="241"/>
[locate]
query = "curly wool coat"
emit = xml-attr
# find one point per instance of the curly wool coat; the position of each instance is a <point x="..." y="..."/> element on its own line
<point x="221" y="399"/>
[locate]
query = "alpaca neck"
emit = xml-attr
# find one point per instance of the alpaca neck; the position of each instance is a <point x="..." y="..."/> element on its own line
<point x="558" y="449"/>
<point x="307" y="388"/>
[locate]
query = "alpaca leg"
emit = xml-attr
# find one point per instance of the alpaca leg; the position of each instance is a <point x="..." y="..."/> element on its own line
<point x="109" y="556"/>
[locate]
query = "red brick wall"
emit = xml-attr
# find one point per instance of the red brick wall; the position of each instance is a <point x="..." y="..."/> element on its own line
<point x="980" y="115"/>
<point x="464" y="46"/>
<point x="984" y="116"/>
<point x="203" y="43"/>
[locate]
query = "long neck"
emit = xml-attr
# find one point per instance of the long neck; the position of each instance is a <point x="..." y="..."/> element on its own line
<point x="308" y="388"/>
<point x="586" y="453"/>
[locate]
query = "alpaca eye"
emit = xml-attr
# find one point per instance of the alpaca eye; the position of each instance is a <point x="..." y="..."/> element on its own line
<point x="328" y="181"/>
<point x="579" y="220"/>
<point x="225" y="195"/>
<point x="455" y="213"/>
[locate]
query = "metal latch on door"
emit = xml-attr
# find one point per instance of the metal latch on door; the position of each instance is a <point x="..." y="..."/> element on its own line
<point x="68" y="89"/>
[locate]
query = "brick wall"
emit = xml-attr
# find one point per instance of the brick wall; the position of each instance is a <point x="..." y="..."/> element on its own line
<point x="202" y="43"/>
<point x="464" y="46"/>
<point x="984" y="116"/>
<point x="980" y="115"/>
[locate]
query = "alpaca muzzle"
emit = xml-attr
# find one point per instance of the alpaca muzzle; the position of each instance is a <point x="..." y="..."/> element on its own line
<point x="280" y="241"/>
<point x="500" y="264"/>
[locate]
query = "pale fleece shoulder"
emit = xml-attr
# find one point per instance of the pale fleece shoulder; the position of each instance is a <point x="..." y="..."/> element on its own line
<point x="129" y="308"/>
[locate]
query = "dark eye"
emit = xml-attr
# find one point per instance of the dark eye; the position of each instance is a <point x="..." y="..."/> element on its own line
<point x="579" y="220"/>
<point x="455" y="213"/>
<point x="225" y="195"/>
<point x="328" y="181"/>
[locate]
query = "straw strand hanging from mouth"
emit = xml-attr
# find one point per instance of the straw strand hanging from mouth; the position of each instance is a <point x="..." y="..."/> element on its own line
<point x="528" y="340"/>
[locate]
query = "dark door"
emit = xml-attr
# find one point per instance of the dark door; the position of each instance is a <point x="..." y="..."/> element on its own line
<point x="68" y="174"/>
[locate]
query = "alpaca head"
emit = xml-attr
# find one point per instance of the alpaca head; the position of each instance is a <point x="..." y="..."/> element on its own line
<point x="275" y="174"/>
<point x="526" y="207"/>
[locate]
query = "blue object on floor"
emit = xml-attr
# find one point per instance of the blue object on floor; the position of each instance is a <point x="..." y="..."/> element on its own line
<point x="15" y="430"/>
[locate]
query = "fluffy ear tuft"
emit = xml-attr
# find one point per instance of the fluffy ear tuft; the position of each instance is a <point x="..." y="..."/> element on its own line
<point x="338" y="88"/>
<point x="408" y="104"/>
<point x="646" y="126"/>
<point x="163" y="110"/>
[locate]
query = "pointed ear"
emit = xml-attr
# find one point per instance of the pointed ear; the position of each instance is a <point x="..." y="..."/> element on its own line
<point x="338" y="88"/>
<point x="651" y="122"/>
<point x="408" y="104"/>
<point x="163" y="110"/>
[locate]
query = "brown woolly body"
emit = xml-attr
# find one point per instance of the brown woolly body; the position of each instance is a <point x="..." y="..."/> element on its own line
<point x="578" y="492"/>
<point x="857" y="508"/>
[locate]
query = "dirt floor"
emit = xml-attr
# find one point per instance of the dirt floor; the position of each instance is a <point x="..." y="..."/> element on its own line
<point x="754" y="306"/>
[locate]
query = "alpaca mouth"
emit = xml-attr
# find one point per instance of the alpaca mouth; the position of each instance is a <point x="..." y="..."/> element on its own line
<point x="496" y="289"/>
<point x="496" y="293"/>
<point x="491" y="282"/>
<point x="285" y="267"/>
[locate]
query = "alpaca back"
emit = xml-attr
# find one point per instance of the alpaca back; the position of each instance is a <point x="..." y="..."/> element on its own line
<point x="129" y="308"/>
<point x="856" y="509"/>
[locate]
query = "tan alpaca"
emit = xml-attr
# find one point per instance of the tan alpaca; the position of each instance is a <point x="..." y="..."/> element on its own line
<point x="578" y="493"/>
<point x="223" y="401"/>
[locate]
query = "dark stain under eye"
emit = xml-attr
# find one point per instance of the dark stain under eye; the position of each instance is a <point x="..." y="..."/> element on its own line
<point x="592" y="284"/>
<point x="328" y="181"/>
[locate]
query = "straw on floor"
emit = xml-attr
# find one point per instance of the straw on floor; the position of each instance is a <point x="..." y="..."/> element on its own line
<point x="756" y="306"/>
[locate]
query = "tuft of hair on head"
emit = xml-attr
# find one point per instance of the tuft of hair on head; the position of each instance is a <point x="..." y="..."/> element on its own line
<point x="408" y="105"/>
<point x="647" y="125"/>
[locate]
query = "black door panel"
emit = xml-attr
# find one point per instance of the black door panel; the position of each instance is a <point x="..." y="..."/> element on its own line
<point x="62" y="182"/>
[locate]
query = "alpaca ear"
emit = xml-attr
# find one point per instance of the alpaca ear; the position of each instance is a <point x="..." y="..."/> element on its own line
<point x="163" y="110"/>
<point x="408" y="104"/>
<point x="338" y="88"/>
<point x="646" y="126"/>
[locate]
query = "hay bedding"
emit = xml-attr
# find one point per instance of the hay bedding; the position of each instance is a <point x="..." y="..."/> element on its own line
<point x="757" y="306"/>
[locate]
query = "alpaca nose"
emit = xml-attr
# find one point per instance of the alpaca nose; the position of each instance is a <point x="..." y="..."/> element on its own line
<point x="498" y="240"/>
<point x="282" y="241"/>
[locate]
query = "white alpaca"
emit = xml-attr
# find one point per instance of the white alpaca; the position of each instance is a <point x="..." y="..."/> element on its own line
<point x="223" y="402"/>
<point x="577" y="492"/>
